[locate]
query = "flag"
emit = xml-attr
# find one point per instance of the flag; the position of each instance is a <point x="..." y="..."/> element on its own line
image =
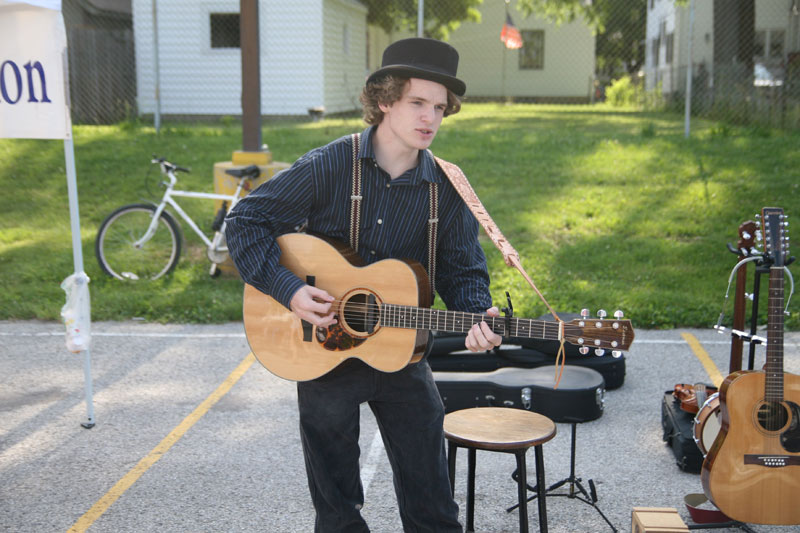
<point x="510" y="34"/>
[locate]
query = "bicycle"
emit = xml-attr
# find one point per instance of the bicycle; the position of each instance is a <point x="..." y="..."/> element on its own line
<point x="144" y="240"/>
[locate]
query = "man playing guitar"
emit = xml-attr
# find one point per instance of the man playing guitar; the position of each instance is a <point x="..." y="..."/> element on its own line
<point x="401" y="194"/>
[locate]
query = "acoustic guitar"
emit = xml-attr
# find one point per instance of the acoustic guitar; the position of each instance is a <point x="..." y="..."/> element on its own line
<point x="752" y="471"/>
<point x="383" y="315"/>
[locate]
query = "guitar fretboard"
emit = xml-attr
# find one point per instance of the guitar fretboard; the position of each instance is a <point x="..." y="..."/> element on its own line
<point x="774" y="366"/>
<point x="401" y="316"/>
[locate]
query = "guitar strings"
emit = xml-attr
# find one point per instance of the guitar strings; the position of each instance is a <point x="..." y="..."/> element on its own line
<point x="356" y="310"/>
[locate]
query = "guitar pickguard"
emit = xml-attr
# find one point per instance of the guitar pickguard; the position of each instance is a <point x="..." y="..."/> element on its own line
<point x="336" y="339"/>
<point x="790" y="439"/>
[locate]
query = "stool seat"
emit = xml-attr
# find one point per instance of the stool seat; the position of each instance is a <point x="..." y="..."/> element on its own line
<point x="500" y="429"/>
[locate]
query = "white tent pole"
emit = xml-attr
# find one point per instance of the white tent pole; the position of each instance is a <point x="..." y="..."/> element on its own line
<point x="77" y="258"/>
<point x="72" y="192"/>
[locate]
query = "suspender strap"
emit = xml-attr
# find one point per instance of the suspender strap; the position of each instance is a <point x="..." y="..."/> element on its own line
<point x="433" y="225"/>
<point x="355" y="211"/>
<point x="355" y="196"/>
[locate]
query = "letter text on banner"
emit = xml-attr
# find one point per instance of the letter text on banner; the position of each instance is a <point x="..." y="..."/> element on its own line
<point x="33" y="90"/>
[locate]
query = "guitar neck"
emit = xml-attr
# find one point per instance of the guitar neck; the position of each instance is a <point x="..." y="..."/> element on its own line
<point x="407" y="317"/>
<point x="774" y="364"/>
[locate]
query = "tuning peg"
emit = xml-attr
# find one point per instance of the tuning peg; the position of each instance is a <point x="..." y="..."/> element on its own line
<point x="601" y="313"/>
<point x="583" y="350"/>
<point x="616" y="354"/>
<point x="584" y="312"/>
<point x="618" y="314"/>
<point x="599" y="351"/>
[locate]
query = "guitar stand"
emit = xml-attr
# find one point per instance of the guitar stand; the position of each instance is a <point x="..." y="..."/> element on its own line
<point x="589" y="498"/>
<point x="763" y="265"/>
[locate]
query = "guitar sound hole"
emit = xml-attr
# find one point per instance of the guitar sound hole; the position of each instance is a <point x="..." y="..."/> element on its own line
<point x="361" y="313"/>
<point x="772" y="416"/>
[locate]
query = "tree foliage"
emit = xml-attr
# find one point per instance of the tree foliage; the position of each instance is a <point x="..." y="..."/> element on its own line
<point x="441" y="16"/>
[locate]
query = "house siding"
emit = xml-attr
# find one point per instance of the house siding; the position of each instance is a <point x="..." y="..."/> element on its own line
<point x="345" y="46"/>
<point x="196" y="79"/>
<point x="292" y="61"/>
<point x="769" y="15"/>
<point x="491" y="70"/>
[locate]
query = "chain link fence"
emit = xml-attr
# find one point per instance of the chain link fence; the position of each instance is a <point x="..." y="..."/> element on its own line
<point x="181" y="58"/>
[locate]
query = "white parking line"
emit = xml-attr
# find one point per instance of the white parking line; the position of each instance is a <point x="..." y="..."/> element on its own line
<point x="371" y="464"/>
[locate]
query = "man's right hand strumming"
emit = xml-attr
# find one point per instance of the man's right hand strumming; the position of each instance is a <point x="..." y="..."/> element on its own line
<point x="313" y="305"/>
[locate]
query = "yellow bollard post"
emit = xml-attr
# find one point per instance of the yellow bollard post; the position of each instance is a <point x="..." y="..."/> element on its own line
<point x="226" y="184"/>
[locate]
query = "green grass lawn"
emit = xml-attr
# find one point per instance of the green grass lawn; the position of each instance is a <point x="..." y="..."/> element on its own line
<point x="608" y="209"/>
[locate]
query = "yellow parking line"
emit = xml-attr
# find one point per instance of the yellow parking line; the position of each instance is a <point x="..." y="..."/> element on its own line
<point x="702" y="355"/>
<point x="136" y="472"/>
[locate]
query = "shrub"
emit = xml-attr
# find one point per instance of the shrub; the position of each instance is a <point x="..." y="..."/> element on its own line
<point x="623" y="92"/>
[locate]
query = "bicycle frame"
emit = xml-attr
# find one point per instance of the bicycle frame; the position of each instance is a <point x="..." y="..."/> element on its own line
<point x="167" y="199"/>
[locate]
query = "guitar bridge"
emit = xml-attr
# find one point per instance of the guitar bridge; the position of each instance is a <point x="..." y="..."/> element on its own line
<point x="771" y="461"/>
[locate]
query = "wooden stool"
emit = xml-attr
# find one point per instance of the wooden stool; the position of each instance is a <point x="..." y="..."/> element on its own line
<point x="500" y="429"/>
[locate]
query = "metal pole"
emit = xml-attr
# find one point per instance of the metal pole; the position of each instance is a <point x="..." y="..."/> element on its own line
<point x="420" y="18"/>
<point x="77" y="259"/>
<point x="688" y="103"/>
<point x="251" y="76"/>
<point x="157" y="92"/>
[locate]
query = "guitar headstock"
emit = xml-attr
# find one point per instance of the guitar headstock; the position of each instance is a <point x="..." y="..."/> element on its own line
<point x="599" y="334"/>
<point x="776" y="239"/>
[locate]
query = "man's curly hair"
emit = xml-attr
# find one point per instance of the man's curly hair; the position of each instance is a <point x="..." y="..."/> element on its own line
<point x="389" y="90"/>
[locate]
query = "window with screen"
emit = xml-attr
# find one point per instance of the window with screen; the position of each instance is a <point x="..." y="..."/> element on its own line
<point x="225" y="30"/>
<point x="531" y="55"/>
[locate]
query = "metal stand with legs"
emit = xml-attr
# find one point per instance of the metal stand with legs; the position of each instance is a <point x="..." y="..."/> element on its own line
<point x="576" y="489"/>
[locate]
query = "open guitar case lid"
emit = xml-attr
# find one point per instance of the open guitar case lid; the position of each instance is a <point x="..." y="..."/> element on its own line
<point x="448" y="354"/>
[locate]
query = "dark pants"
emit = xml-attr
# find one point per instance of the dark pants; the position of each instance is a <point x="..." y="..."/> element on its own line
<point x="409" y="412"/>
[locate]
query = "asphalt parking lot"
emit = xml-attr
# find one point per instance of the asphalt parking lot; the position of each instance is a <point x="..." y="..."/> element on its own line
<point x="191" y="435"/>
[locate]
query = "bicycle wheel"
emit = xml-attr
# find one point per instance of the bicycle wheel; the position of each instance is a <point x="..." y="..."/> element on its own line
<point x="116" y="250"/>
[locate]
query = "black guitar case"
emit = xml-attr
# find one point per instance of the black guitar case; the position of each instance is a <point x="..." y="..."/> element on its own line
<point x="449" y="355"/>
<point x="678" y="426"/>
<point x="578" y="398"/>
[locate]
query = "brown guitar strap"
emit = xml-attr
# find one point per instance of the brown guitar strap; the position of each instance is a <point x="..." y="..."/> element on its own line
<point x="510" y="255"/>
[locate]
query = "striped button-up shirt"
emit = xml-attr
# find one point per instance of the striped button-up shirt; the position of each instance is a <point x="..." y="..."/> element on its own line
<point x="315" y="194"/>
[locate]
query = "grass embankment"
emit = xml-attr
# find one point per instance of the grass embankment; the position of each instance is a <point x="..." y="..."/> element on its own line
<point x="607" y="208"/>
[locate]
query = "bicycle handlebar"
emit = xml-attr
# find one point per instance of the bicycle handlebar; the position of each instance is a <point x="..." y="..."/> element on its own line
<point x="167" y="166"/>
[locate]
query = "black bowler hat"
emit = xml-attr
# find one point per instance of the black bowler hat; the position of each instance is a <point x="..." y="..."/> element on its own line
<point x="418" y="57"/>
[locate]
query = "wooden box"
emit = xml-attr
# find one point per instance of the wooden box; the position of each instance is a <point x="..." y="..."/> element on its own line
<point x="657" y="520"/>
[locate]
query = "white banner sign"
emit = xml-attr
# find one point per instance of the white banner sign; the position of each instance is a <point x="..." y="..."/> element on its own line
<point x="33" y="87"/>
